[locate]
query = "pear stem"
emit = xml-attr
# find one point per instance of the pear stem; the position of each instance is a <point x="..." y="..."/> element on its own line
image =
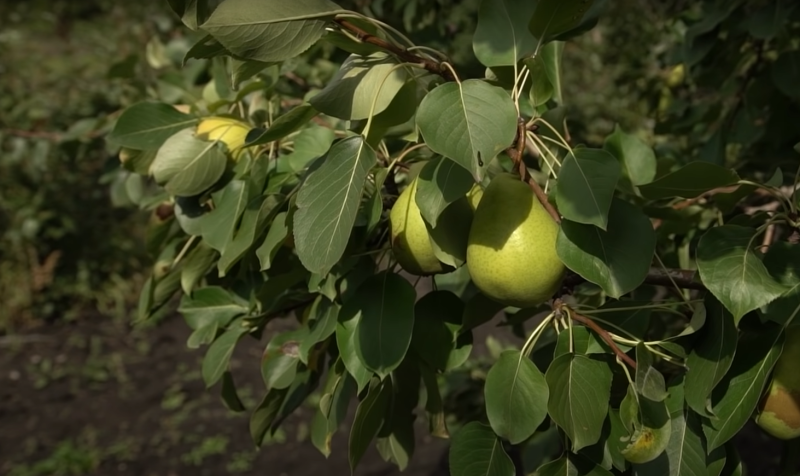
<point x="516" y="152"/>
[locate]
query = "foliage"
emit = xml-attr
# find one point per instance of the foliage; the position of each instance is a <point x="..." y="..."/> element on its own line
<point x="681" y="242"/>
<point x="64" y="246"/>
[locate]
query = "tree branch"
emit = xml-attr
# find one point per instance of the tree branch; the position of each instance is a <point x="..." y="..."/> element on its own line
<point x="603" y="335"/>
<point x="516" y="152"/>
<point x="400" y="52"/>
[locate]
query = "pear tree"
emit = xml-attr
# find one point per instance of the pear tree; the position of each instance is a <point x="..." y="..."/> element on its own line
<point x="327" y="170"/>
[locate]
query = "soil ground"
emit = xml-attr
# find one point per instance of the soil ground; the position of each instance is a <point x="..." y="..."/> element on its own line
<point x="93" y="397"/>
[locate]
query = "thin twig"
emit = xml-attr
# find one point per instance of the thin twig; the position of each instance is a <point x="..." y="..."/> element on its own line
<point x="683" y="278"/>
<point x="603" y="335"/>
<point x="400" y="52"/>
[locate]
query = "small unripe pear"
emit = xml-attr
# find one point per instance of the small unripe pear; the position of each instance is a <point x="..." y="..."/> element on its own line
<point x="511" y="254"/>
<point x="779" y="411"/>
<point x="411" y="241"/>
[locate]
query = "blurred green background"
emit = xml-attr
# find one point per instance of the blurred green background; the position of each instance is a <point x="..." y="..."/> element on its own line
<point x="84" y="392"/>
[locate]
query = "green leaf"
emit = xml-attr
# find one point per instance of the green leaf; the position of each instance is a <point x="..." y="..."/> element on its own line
<point x="586" y="186"/>
<point x="346" y="331"/>
<point x="269" y="30"/>
<point x="711" y="357"/>
<point x="437" y="321"/>
<point x="258" y="211"/>
<point x="470" y="122"/>
<point x="280" y="359"/>
<point x="555" y="17"/>
<point x="690" y="181"/>
<point x="310" y="143"/>
<point x="636" y="157"/>
<point x="433" y="403"/>
<point x="147" y="125"/>
<point x="368" y="419"/>
<point x="786" y="73"/>
<point x="333" y="406"/>
<point x="617" y="260"/>
<point x="353" y="90"/>
<point x="228" y="393"/>
<point x="516" y="396"/>
<point x="782" y="263"/>
<point x="211" y="304"/>
<point x="276" y="236"/>
<point x="384" y="308"/>
<point x="476" y="451"/>
<point x="580" y="388"/>
<point x="282" y="126"/>
<point x="737" y="395"/>
<point x="501" y="37"/>
<point x="571" y="465"/>
<point x="732" y="270"/>
<point x="440" y="183"/>
<point x="196" y="265"/>
<point x="219" y="353"/>
<point x="450" y="237"/>
<point x="265" y="414"/>
<point x="186" y="165"/>
<point x="545" y="73"/>
<point x="323" y="317"/>
<point x="480" y="310"/>
<point x="649" y="381"/>
<point x="328" y="201"/>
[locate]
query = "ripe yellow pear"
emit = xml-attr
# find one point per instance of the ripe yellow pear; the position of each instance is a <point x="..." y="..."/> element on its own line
<point x="779" y="412"/>
<point x="232" y="132"/>
<point x="411" y="242"/>
<point x="511" y="252"/>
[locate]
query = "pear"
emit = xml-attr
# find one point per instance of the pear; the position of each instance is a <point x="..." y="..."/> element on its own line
<point x="474" y="196"/>
<point x="411" y="242"/>
<point x="231" y="132"/>
<point x="779" y="411"/>
<point x="511" y="251"/>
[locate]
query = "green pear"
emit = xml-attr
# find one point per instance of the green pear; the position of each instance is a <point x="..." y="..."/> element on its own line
<point x="411" y="241"/>
<point x="511" y="251"/>
<point x="779" y="411"/>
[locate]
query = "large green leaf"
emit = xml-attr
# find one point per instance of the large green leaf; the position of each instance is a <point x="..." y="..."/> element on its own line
<point x="555" y="17"/>
<point x="502" y="37"/>
<point x="269" y="30"/>
<point x="580" y="388"/>
<point x="545" y="74"/>
<point x="649" y="382"/>
<point x="636" y="157"/>
<point x="617" y="260"/>
<point x="146" y="125"/>
<point x="476" y="451"/>
<point x="711" y="357"/>
<point x="691" y="180"/>
<point x="186" y="165"/>
<point x="437" y="322"/>
<point x="737" y="395"/>
<point x="281" y="357"/>
<point x="310" y="143"/>
<point x="368" y="420"/>
<point x="384" y="308"/>
<point x="346" y="334"/>
<point x="333" y="405"/>
<point x="328" y="202"/>
<point x="264" y="415"/>
<point x="783" y="263"/>
<point x="282" y="126"/>
<point x="359" y="83"/>
<point x="322" y="319"/>
<point x="469" y="122"/>
<point x="219" y="353"/>
<point x="586" y="186"/>
<point x="516" y="396"/>
<point x="571" y="465"/>
<point x="276" y="236"/>
<point x="440" y="183"/>
<point x="211" y="304"/>
<point x="731" y="268"/>
<point x="195" y="266"/>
